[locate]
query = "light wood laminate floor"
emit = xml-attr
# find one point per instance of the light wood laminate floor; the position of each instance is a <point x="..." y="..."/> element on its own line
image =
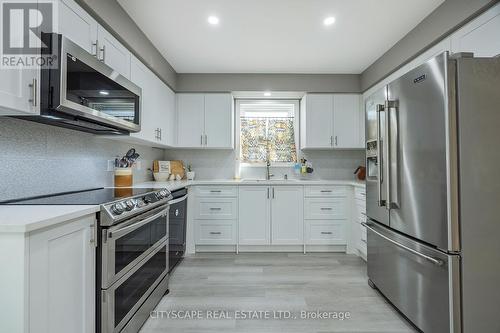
<point x="273" y="282"/>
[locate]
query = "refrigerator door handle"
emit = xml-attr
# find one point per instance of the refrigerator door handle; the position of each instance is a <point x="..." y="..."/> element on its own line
<point x="392" y="130"/>
<point x="387" y="157"/>
<point x="380" y="177"/>
<point x="435" y="261"/>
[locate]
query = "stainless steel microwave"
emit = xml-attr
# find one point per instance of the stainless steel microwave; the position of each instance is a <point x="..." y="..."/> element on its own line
<point x="85" y="94"/>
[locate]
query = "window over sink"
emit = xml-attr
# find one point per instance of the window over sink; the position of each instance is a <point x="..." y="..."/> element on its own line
<point x="267" y="130"/>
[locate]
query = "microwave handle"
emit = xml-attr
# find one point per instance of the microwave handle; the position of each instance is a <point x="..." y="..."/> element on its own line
<point x="122" y="231"/>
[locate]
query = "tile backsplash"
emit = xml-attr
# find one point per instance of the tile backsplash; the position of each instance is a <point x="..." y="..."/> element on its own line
<point x="39" y="159"/>
<point x="222" y="164"/>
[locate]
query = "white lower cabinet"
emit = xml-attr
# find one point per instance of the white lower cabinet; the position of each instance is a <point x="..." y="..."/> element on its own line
<point x="326" y="215"/>
<point x="215" y="232"/>
<point x="359" y="216"/>
<point x="287" y="215"/>
<point x="254" y="218"/>
<point x="62" y="278"/>
<point x="50" y="284"/>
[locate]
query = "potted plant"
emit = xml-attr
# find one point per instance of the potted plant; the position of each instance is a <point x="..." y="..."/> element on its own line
<point x="190" y="172"/>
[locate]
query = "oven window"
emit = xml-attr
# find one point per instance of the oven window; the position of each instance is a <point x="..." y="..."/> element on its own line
<point x="132" y="289"/>
<point x="133" y="244"/>
<point x="89" y="88"/>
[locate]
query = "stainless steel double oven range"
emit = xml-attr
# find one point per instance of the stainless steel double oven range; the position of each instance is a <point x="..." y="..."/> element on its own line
<point x="132" y="251"/>
<point x="133" y="259"/>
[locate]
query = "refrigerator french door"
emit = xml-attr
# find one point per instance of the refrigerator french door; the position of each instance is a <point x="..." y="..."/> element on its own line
<point x="436" y="257"/>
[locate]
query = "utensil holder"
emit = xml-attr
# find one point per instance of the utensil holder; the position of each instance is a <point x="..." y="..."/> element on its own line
<point x="123" y="177"/>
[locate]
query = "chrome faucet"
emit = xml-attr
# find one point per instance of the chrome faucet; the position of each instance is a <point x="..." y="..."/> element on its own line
<point x="268" y="171"/>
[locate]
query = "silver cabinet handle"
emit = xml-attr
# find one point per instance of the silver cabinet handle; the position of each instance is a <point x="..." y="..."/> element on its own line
<point x="331" y="140"/>
<point x="435" y="261"/>
<point x="201" y="142"/>
<point x="215" y="191"/>
<point x="326" y="208"/>
<point x="268" y="192"/>
<point x="103" y="51"/>
<point x="336" y="141"/>
<point x="326" y="191"/>
<point x="273" y="192"/>
<point x="215" y="233"/>
<point x="94" y="47"/>
<point x="215" y="208"/>
<point x="206" y="140"/>
<point x="326" y="232"/>
<point x="34" y="89"/>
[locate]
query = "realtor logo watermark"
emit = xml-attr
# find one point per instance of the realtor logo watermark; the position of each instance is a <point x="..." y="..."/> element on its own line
<point x="23" y="25"/>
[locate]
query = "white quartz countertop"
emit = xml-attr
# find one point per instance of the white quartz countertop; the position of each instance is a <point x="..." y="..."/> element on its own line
<point x="27" y="218"/>
<point x="177" y="184"/>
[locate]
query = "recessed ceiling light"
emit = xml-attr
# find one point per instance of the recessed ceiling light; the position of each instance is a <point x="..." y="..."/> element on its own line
<point x="329" y="21"/>
<point x="267" y="94"/>
<point x="213" y="20"/>
<point x="104" y="92"/>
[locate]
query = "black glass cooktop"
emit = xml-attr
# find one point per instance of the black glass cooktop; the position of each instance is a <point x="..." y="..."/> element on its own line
<point x="96" y="196"/>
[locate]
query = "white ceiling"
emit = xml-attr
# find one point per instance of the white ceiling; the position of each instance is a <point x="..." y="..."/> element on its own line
<point x="275" y="36"/>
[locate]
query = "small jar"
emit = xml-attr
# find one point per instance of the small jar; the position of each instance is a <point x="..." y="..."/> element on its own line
<point x="123" y="177"/>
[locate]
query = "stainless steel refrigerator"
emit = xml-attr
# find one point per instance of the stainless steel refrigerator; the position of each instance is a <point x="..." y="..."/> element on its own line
<point x="433" y="194"/>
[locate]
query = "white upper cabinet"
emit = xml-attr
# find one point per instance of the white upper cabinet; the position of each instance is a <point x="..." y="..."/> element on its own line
<point x="287" y="215"/>
<point x="157" y="106"/>
<point x="218" y="121"/>
<point x="332" y="121"/>
<point x="190" y="120"/>
<point x="113" y="53"/>
<point x="316" y="121"/>
<point x="481" y="36"/>
<point x="204" y="121"/>
<point x="347" y="121"/>
<point x="76" y="24"/>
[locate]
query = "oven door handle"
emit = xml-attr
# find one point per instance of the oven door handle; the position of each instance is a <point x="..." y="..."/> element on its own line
<point x="122" y="231"/>
<point x="176" y="201"/>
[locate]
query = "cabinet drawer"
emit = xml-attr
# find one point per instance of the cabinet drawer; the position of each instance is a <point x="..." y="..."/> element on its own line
<point x="216" y="191"/>
<point x="216" y="208"/>
<point x="360" y="193"/>
<point x="325" y="232"/>
<point x="325" y="208"/>
<point x="215" y="232"/>
<point x="325" y="191"/>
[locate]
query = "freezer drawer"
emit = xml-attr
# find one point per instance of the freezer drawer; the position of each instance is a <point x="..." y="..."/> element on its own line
<point x="421" y="282"/>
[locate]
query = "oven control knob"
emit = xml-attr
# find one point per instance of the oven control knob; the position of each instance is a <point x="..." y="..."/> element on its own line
<point x="159" y="195"/>
<point x="117" y="208"/>
<point x="129" y="204"/>
<point x="165" y="193"/>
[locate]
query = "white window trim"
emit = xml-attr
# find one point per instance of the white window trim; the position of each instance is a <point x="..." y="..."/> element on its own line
<point x="296" y="129"/>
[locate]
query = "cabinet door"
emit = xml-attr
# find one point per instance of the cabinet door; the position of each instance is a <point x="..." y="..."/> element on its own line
<point x="287" y="216"/>
<point x="318" y="117"/>
<point x="113" y="53"/>
<point x="481" y="36"/>
<point x="254" y="215"/>
<point x="167" y="110"/>
<point x="62" y="278"/>
<point x="218" y="121"/>
<point x="18" y="95"/>
<point x="76" y="24"/>
<point x="347" y="121"/>
<point x="190" y="120"/>
<point x="143" y="77"/>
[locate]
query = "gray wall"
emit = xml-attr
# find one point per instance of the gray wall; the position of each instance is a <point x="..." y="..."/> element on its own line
<point x="450" y="15"/>
<point x="114" y="18"/>
<point x="275" y="82"/>
<point x="40" y="159"/>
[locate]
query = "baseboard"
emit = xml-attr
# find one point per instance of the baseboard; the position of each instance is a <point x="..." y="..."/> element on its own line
<point x="271" y="248"/>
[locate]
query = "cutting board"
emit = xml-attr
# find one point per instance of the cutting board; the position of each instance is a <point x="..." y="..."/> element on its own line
<point x="177" y="168"/>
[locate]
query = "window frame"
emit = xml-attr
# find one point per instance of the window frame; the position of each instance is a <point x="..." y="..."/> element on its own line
<point x="296" y="129"/>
